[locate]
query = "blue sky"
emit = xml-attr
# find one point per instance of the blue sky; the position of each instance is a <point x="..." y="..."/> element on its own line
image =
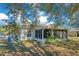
<point x="4" y="13"/>
<point x="3" y="8"/>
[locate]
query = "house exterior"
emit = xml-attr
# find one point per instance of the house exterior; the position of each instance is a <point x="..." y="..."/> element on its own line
<point x="43" y="31"/>
<point x="74" y="32"/>
<point x="40" y="32"/>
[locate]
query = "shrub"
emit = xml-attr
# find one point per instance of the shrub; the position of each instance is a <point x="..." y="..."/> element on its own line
<point x="51" y="40"/>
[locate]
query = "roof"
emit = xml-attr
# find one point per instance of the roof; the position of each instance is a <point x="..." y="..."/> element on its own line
<point x="49" y="27"/>
<point x="74" y="29"/>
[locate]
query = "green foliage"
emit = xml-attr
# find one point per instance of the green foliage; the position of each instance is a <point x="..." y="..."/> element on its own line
<point x="12" y="29"/>
<point x="2" y="29"/>
<point x="51" y="40"/>
<point x="72" y="8"/>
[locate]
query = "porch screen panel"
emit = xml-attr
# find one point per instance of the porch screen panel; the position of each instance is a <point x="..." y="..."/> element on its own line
<point x="38" y="34"/>
<point x="64" y="34"/>
<point x="47" y="33"/>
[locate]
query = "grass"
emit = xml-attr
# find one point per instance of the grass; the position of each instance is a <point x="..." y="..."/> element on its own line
<point x="28" y="48"/>
<point x="25" y="48"/>
<point x="71" y="44"/>
<point x="74" y="38"/>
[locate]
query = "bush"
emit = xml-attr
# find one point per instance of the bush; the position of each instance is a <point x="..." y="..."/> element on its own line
<point x="51" y="40"/>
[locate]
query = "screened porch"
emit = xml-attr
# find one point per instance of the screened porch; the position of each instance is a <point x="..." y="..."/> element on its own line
<point x="45" y="33"/>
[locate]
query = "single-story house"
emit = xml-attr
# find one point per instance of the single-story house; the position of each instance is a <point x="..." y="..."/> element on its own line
<point x="41" y="32"/>
<point x="74" y="32"/>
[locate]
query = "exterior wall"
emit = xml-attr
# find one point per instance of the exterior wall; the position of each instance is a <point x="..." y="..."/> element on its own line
<point x="32" y="35"/>
<point x="23" y="34"/>
<point x="3" y="37"/>
<point x="72" y="34"/>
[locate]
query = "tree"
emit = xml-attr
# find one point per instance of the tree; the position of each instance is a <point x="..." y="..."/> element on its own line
<point x="54" y="12"/>
<point x="57" y="10"/>
<point x="15" y="10"/>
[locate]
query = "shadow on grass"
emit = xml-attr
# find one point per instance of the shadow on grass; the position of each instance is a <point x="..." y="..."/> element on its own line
<point x="23" y="50"/>
<point x="34" y="51"/>
<point x="10" y="46"/>
<point x="46" y="53"/>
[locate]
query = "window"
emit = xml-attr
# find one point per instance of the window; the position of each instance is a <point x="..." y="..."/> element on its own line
<point x="29" y="35"/>
<point x="38" y="33"/>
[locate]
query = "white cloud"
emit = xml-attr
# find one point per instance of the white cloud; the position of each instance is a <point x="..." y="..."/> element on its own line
<point x="18" y="21"/>
<point x="11" y="15"/>
<point x="3" y="16"/>
<point x="5" y="23"/>
<point x="29" y="20"/>
<point x="50" y="23"/>
<point x="43" y="19"/>
<point x="68" y="20"/>
<point x="40" y="13"/>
